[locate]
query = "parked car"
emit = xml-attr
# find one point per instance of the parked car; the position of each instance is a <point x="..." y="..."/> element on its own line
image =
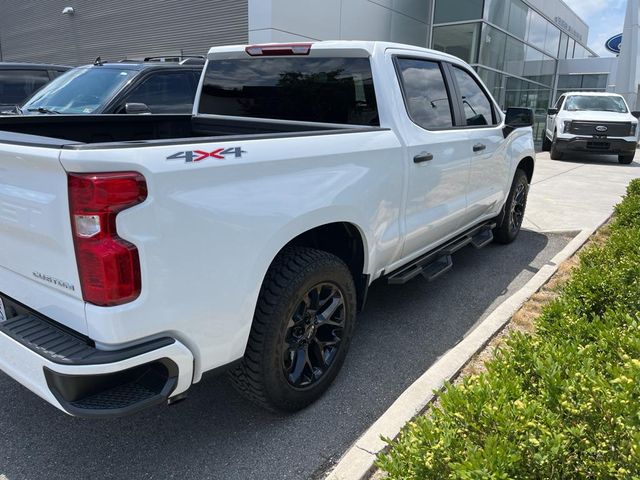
<point x="18" y="81"/>
<point x="139" y="252"/>
<point x="590" y="122"/>
<point x="115" y="88"/>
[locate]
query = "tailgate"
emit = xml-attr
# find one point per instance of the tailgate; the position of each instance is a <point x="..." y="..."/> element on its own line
<point x="36" y="246"/>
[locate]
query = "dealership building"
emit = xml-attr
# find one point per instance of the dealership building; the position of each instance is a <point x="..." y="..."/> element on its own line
<point x="527" y="51"/>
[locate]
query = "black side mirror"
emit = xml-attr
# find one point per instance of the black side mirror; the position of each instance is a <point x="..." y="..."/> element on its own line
<point x="137" y="109"/>
<point x="636" y="114"/>
<point x="552" y="111"/>
<point x="517" y="118"/>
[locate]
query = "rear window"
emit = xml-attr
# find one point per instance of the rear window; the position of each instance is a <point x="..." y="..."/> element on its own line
<point x="17" y="85"/>
<point x="328" y="90"/>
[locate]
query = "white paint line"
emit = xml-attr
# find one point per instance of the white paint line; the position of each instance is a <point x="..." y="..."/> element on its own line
<point x="357" y="462"/>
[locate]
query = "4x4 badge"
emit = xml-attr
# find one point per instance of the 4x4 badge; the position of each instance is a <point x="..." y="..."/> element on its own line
<point x="199" y="155"/>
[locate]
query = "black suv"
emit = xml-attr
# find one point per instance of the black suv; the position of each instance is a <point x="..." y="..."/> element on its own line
<point x="18" y="81"/>
<point x="116" y="88"/>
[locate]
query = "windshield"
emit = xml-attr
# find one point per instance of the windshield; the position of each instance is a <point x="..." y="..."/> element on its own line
<point x="579" y="103"/>
<point x="81" y="90"/>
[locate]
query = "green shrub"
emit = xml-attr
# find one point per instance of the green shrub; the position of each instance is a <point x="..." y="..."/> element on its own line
<point x="561" y="403"/>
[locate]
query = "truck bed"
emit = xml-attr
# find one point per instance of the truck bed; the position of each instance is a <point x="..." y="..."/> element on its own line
<point x="76" y="131"/>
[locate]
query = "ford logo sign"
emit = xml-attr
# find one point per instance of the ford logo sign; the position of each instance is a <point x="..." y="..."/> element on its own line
<point x="614" y="44"/>
<point x="601" y="128"/>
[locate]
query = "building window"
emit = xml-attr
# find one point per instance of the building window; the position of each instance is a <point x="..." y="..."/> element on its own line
<point x="588" y="82"/>
<point x="518" y="14"/>
<point x="458" y="40"/>
<point x="493" y="48"/>
<point x="425" y="93"/>
<point x="458" y="11"/>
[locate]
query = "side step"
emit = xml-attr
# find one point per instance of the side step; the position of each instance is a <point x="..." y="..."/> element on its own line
<point x="439" y="261"/>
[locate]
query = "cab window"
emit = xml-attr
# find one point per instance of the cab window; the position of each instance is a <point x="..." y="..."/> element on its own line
<point x="166" y="92"/>
<point x="425" y="93"/>
<point x="478" y="110"/>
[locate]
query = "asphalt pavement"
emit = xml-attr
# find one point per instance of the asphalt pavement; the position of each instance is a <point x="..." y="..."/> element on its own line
<point x="216" y="434"/>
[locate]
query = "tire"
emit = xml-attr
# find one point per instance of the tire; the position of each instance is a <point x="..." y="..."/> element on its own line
<point x="626" y="159"/>
<point x="554" y="153"/>
<point x="510" y="220"/>
<point x="546" y="143"/>
<point x="283" y="368"/>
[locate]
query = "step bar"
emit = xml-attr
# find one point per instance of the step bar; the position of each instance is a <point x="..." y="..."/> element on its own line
<point x="439" y="261"/>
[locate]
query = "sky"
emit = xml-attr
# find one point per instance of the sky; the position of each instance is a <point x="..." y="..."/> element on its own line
<point x="605" y="19"/>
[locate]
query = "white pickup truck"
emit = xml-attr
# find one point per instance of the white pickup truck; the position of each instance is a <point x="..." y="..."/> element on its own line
<point x="139" y="252"/>
<point x="591" y="122"/>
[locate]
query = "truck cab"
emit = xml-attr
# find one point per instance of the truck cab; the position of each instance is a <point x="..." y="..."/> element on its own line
<point x="594" y="123"/>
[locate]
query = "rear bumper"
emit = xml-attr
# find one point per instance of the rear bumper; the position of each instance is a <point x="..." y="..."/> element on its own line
<point x="607" y="146"/>
<point x="67" y="371"/>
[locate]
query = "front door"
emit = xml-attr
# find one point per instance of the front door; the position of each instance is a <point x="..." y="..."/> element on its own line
<point x="489" y="169"/>
<point x="437" y="156"/>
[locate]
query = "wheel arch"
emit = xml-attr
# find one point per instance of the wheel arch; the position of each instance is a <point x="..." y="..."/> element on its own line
<point x="527" y="164"/>
<point x="344" y="240"/>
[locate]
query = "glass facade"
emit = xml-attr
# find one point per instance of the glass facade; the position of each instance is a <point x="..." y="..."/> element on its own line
<point x="514" y="48"/>
<point x="588" y="82"/>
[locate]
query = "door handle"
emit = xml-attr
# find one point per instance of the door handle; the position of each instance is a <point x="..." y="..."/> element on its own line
<point x="423" y="157"/>
<point x="478" y="147"/>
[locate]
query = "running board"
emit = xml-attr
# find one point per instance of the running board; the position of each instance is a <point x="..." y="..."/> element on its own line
<point x="439" y="261"/>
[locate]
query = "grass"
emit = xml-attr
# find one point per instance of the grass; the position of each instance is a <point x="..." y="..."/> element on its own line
<point x="561" y="396"/>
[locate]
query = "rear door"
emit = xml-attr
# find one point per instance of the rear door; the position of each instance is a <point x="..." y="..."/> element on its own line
<point x="485" y="148"/>
<point x="436" y="151"/>
<point x="167" y="92"/>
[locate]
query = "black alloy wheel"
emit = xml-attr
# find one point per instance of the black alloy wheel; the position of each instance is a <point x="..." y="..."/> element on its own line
<point x="518" y="206"/>
<point x="313" y="336"/>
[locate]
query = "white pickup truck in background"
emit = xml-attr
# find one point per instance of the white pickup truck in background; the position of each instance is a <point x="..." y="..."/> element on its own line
<point x="139" y="252"/>
<point x="591" y="122"/>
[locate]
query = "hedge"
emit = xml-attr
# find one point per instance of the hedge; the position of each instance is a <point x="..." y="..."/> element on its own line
<point x="563" y="402"/>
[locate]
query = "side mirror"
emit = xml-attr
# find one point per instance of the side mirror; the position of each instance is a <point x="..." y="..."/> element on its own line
<point x="137" y="109"/>
<point x="552" y="111"/>
<point x="636" y="114"/>
<point x="517" y="118"/>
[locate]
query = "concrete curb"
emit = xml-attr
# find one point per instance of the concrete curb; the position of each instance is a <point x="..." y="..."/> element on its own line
<point x="357" y="462"/>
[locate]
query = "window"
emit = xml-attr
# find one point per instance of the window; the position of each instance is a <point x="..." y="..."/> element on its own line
<point x="477" y="106"/>
<point x="552" y="40"/>
<point x="458" y="40"/>
<point x="498" y="12"/>
<point x="518" y="19"/>
<point x="17" y="85"/>
<point x="493" y="48"/>
<point x="593" y="82"/>
<point x="458" y="11"/>
<point x="328" y="90"/>
<point x="166" y="92"/>
<point x="582" y="103"/>
<point x="425" y="93"/>
<point x="80" y="90"/>
<point x="559" y="103"/>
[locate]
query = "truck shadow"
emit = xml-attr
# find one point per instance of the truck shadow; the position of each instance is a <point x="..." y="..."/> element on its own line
<point x="217" y="434"/>
<point x="587" y="159"/>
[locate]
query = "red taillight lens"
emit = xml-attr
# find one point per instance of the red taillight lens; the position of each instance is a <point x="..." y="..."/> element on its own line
<point x="109" y="266"/>
<point x="277" y="50"/>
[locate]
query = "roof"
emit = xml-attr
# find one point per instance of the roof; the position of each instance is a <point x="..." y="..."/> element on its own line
<point x="139" y="66"/>
<point x="594" y="94"/>
<point x="33" y="66"/>
<point x="348" y="47"/>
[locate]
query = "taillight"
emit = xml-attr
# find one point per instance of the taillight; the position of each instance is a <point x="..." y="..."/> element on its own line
<point x="109" y="266"/>
<point x="280" y="49"/>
